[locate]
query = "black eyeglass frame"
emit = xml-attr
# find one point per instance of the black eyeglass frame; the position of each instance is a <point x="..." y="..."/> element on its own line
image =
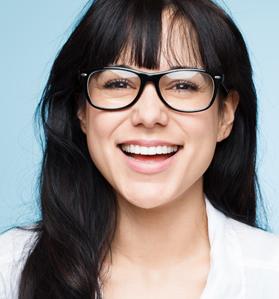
<point x="218" y="81"/>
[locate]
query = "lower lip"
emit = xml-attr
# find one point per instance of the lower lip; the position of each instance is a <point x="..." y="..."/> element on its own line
<point x="149" y="167"/>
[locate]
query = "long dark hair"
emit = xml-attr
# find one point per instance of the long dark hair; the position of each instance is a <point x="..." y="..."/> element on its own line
<point x="79" y="208"/>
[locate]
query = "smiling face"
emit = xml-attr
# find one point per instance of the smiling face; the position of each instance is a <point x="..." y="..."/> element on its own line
<point x="148" y="181"/>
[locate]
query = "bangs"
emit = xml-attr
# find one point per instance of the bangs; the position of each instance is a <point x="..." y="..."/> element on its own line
<point x="171" y="36"/>
<point x="141" y="33"/>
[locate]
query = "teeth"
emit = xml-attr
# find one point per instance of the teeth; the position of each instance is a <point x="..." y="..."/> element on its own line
<point x="151" y="150"/>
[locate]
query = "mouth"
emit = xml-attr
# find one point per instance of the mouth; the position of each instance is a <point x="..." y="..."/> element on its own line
<point x="149" y="153"/>
<point x="149" y="159"/>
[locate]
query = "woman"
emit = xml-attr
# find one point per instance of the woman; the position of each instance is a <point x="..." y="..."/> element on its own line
<point x="148" y="184"/>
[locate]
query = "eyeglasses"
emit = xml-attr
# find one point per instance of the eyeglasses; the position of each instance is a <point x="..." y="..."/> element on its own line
<point x="184" y="90"/>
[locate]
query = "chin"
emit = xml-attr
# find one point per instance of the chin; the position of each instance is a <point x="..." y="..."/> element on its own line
<point x="146" y="205"/>
<point x="146" y="200"/>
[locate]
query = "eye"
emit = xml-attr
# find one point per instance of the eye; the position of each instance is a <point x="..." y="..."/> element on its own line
<point x="184" y="86"/>
<point x="118" y="84"/>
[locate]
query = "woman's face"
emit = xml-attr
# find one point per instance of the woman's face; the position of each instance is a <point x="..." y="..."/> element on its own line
<point x="149" y="184"/>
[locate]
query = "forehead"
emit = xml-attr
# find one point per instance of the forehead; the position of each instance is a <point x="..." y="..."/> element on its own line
<point x="178" y="44"/>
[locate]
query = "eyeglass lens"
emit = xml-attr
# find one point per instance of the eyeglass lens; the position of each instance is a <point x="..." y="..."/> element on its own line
<point x="182" y="89"/>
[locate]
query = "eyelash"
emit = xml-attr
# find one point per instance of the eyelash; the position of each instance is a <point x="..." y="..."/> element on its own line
<point x="107" y="84"/>
<point x="189" y="85"/>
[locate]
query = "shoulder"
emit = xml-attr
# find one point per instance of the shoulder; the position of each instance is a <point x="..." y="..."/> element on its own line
<point x="15" y="246"/>
<point x="14" y="243"/>
<point x="259" y="248"/>
<point x="255" y="247"/>
<point x="258" y="259"/>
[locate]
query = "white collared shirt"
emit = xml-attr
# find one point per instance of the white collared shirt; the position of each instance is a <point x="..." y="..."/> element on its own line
<point x="244" y="260"/>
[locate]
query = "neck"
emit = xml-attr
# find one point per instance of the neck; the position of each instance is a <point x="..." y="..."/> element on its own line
<point x="164" y="236"/>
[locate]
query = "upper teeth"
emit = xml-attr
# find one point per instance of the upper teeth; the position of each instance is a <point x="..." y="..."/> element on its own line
<point x="153" y="150"/>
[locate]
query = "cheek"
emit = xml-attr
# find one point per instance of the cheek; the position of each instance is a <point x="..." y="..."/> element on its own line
<point x="204" y="130"/>
<point x="201" y="131"/>
<point x="100" y="129"/>
<point x="201" y="127"/>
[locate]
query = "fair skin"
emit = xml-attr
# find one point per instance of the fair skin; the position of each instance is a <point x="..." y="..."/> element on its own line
<point x="161" y="247"/>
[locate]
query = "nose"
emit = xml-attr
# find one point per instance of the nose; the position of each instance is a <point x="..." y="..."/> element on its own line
<point x="149" y="110"/>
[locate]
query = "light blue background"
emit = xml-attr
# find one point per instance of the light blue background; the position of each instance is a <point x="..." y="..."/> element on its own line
<point x="31" y="33"/>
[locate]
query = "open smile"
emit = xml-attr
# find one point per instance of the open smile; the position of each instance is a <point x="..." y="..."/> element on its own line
<point x="149" y="159"/>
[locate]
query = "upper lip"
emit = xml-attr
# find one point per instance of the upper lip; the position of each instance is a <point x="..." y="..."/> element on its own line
<point x="154" y="142"/>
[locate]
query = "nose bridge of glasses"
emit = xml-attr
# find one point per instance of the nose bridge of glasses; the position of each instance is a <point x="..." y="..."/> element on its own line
<point x="150" y="78"/>
<point x="154" y="78"/>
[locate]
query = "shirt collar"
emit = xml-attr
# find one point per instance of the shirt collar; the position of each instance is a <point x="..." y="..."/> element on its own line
<point x="226" y="276"/>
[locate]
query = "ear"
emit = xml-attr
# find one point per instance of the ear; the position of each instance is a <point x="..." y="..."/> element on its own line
<point x="81" y="114"/>
<point x="227" y="115"/>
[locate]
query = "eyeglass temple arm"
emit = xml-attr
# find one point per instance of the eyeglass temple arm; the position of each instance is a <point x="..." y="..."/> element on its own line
<point x="221" y="80"/>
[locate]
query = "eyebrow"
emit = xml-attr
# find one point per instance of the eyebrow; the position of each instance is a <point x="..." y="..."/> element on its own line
<point x="171" y="68"/>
